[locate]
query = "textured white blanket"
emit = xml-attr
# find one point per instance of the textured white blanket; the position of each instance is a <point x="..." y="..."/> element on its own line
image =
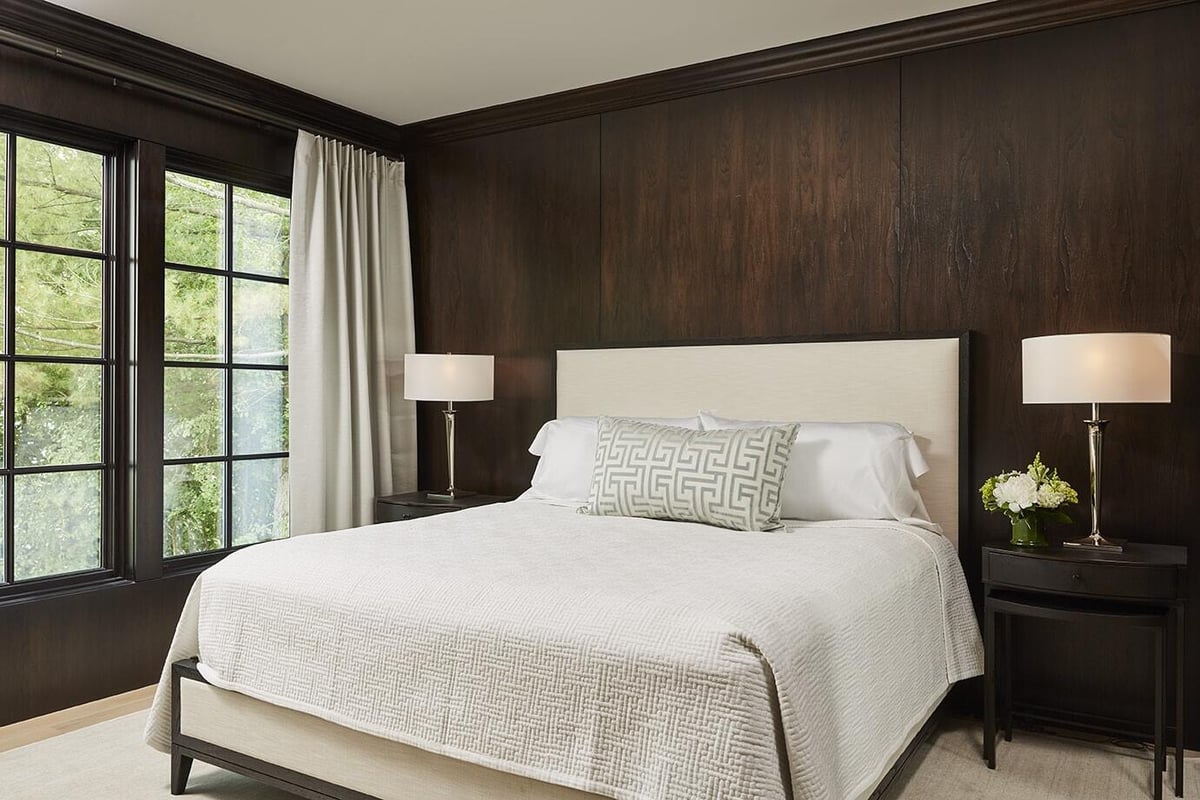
<point x="631" y="658"/>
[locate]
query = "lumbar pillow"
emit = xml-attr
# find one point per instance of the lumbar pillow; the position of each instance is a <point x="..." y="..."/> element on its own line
<point x="566" y="451"/>
<point x="847" y="470"/>
<point x="730" y="478"/>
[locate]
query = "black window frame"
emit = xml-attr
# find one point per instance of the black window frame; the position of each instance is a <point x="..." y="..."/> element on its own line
<point x="230" y="176"/>
<point x="134" y="215"/>
<point x="114" y="455"/>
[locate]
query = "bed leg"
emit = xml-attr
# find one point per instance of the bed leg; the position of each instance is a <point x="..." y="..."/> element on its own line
<point x="181" y="767"/>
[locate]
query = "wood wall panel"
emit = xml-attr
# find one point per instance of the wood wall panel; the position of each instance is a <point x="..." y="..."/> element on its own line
<point x="75" y="648"/>
<point x="1052" y="185"/>
<point x="761" y="211"/>
<point x="508" y="228"/>
<point x="1039" y="183"/>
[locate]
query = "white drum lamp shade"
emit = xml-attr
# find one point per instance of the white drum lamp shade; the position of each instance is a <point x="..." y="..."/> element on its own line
<point x="1097" y="368"/>
<point x="448" y="378"/>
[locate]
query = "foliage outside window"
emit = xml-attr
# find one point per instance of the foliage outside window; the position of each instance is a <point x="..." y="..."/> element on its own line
<point x="225" y="467"/>
<point x="55" y="488"/>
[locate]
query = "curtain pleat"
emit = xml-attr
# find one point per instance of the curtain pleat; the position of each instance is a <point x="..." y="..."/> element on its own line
<point x="353" y="436"/>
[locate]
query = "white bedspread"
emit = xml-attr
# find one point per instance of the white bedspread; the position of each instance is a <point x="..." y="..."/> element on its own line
<point x="631" y="658"/>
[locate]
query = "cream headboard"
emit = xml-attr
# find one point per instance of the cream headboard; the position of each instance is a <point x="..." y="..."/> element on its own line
<point x="915" y="382"/>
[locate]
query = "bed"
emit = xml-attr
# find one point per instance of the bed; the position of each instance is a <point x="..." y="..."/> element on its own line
<point x="525" y="650"/>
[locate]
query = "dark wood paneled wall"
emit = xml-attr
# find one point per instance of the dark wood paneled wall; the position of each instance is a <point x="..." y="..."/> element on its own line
<point x="1052" y="185"/>
<point x="519" y="274"/>
<point x="717" y="210"/>
<point x="1040" y="183"/>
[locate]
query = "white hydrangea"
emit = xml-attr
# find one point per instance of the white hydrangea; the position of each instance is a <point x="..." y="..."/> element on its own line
<point x="1017" y="493"/>
<point x="1047" y="497"/>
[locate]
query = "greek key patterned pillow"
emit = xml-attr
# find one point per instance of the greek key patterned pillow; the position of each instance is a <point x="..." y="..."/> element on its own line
<point x="730" y="477"/>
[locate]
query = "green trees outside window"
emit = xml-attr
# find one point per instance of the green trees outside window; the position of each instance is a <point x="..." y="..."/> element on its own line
<point x="57" y="259"/>
<point x="225" y="478"/>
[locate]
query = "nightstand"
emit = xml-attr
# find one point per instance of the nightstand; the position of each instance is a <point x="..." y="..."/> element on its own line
<point x="413" y="505"/>
<point x="1145" y="586"/>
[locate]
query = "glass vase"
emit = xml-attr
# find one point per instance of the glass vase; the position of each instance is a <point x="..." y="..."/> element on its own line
<point x="1027" y="532"/>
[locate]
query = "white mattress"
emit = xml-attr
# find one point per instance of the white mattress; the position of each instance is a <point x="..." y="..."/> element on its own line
<point x="630" y="658"/>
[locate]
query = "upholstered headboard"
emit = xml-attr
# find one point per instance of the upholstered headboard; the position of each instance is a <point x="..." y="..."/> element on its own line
<point x="919" y="383"/>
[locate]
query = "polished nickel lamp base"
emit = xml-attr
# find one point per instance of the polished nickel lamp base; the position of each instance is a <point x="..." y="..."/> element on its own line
<point x="1095" y="541"/>
<point x="451" y="493"/>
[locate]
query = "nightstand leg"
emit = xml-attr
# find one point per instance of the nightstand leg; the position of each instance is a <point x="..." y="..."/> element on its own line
<point x="1006" y="677"/>
<point x="989" y="686"/>
<point x="1160" y="664"/>
<point x="1179" y="636"/>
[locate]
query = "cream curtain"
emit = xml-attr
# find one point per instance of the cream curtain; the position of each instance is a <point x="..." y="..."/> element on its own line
<point x="353" y="436"/>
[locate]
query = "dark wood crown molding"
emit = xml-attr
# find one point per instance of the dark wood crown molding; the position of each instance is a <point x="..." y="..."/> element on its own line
<point x="947" y="29"/>
<point x="66" y="34"/>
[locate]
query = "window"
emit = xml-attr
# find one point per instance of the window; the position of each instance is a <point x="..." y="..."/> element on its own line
<point x="225" y="466"/>
<point x="56" y="480"/>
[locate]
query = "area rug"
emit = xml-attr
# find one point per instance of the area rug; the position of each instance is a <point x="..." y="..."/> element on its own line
<point x="109" y="762"/>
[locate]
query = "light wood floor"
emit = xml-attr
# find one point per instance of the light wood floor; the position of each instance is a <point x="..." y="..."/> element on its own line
<point x="71" y="719"/>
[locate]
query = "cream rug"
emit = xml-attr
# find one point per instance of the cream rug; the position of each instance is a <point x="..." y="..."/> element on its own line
<point x="109" y="762"/>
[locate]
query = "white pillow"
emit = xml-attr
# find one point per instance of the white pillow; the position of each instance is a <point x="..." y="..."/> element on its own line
<point x="730" y="478"/>
<point x="566" y="448"/>
<point x="847" y="470"/>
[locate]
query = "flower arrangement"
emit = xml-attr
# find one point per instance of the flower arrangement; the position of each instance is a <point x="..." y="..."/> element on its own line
<point x="1028" y="498"/>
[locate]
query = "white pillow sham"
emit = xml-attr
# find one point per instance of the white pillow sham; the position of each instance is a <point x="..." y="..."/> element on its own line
<point x="847" y="470"/>
<point x="566" y="450"/>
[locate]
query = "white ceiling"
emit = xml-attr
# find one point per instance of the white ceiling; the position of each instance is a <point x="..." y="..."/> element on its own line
<point x="404" y="61"/>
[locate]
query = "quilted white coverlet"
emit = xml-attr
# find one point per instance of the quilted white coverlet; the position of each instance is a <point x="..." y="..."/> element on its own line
<point x="631" y="658"/>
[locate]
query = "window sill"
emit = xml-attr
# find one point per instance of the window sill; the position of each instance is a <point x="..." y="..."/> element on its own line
<point x="17" y="595"/>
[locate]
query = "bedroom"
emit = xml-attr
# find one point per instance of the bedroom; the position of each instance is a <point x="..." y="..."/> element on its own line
<point x="810" y="175"/>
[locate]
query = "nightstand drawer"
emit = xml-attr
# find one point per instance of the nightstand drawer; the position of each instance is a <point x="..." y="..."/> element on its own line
<point x="1074" y="577"/>
<point x="418" y="505"/>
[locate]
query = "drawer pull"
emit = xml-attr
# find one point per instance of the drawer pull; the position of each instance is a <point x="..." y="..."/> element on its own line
<point x="1076" y="576"/>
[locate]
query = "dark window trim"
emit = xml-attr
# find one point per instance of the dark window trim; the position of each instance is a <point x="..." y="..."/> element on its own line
<point x="212" y="169"/>
<point x="114" y="455"/>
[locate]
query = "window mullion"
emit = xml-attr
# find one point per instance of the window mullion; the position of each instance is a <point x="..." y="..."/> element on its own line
<point x="147" y="214"/>
<point x="10" y="220"/>
<point x="228" y="410"/>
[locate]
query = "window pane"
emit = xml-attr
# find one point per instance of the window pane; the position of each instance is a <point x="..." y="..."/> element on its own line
<point x="57" y="414"/>
<point x="259" y="411"/>
<point x="193" y="412"/>
<point x="59" y="306"/>
<point x="56" y="523"/>
<point x="3" y="210"/>
<point x="260" y="232"/>
<point x="260" y="500"/>
<point x="195" y="221"/>
<point x="59" y="191"/>
<point x="193" y="517"/>
<point x="260" y="322"/>
<point x="195" y="316"/>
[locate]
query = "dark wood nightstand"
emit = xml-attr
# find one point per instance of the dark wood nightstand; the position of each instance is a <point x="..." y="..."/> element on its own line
<point x="1145" y="586"/>
<point x="413" y="505"/>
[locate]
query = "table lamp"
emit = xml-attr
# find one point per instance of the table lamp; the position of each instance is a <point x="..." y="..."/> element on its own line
<point x="1097" y="368"/>
<point x="450" y="378"/>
